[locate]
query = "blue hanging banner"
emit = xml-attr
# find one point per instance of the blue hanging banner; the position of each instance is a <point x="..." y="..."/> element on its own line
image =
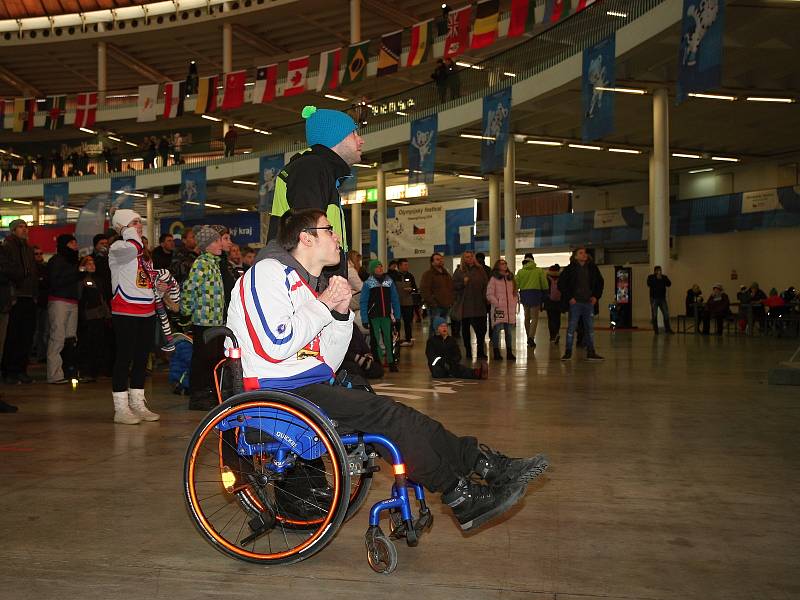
<point x="245" y="227"/>
<point x="496" y="116"/>
<point x="121" y="187"/>
<point x="700" y="59"/>
<point x="193" y="193"/>
<point x="599" y="71"/>
<point x="422" y="150"/>
<point x="91" y="221"/>
<point x="268" y="169"/>
<point x="55" y="200"/>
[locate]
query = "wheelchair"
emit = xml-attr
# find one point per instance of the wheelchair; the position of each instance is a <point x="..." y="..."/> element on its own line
<point x="269" y="479"/>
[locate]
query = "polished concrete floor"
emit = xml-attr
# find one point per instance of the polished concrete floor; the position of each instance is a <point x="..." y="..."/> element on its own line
<point x="676" y="474"/>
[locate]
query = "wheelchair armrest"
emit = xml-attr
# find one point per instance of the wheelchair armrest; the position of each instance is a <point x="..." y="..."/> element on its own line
<point x="215" y="332"/>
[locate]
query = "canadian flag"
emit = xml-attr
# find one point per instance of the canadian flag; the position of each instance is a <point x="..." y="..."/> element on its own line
<point x="173" y="99"/>
<point x="296" y="72"/>
<point x="86" y="111"/>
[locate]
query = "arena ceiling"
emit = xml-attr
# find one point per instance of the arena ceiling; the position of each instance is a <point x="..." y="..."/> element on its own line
<point x="20" y="9"/>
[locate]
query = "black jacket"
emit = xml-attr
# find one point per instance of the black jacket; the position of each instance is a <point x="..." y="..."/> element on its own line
<point x="568" y="281"/>
<point x="22" y="266"/>
<point x="64" y="276"/>
<point x="102" y="275"/>
<point x="161" y="258"/>
<point x="658" y="287"/>
<point x="447" y="348"/>
<point x="7" y="297"/>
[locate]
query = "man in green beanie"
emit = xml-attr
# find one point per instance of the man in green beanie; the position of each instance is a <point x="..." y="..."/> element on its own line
<point x="313" y="177"/>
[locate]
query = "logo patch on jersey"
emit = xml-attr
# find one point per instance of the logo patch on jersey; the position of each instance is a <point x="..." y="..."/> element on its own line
<point x="281" y="328"/>
<point x="310" y="349"/>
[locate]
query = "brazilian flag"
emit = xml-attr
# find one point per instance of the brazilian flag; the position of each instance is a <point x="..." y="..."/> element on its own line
<point x="357" y="59"/>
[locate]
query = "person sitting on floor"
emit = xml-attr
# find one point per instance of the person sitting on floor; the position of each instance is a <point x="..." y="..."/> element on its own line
<point x="444" y="355"/>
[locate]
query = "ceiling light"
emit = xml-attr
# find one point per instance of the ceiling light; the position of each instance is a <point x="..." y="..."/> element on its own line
<point x="625" y="150"/>
<point x="243" y="182"/>
<point x="725" y="158"/>
<point x="401" y="201"/>
<point x="685" y="155"/>
<point x="401" y="113"/>
<point x="132" y="144"/>
<point x="262" y="132"/>
<point x="468" y="65"/>
<point x="364" y="165"/>
<point x="240" y="126"/>
<point x="249" y="83"/>
<point x="73" y="210"/>
<point x="547" y="185"/>
<point x="614" y="13"/>
<point x="209" y="205"/>
<point x="765" y="99"/>
<point x="518" y="182"/>
<point x="210" y="118"/>
<point x="713" y="96"/>
<point x="87" y="130"/>
<point x="28" y="202"/>
<point x="339" y="98"/>
<point x="622" y="90"/>
<point x="474" y="136"/>
<point x="462" y="176"/>
<point x="585" y="146"/>
<point x="116" y="139"/>
<point x="545" y="143"/>
<point x="507" y="74"/>
<point x="701" y="170"/>
<point x="242" y="210"/>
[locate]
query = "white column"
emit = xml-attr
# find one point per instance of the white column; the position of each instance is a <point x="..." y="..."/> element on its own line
<point x="510" y="206"/>
<point x="36" y="211"/>
<point x="659" y="199"/>
<point x="355" y="21"/>
<point x="494" y="219"/>
<point x="381" y="250"/>
<point x="650" y="204"/>
<point x="227" y="48"/>
<point x="355" y="227"/>
<point x="102" y="72"/>
<point x="151" y="222"/>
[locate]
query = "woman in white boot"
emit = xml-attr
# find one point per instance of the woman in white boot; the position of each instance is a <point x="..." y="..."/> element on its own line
<point x="133" y="317"/>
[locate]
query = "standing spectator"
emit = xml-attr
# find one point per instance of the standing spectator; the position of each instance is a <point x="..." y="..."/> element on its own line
<point x="581" y="286"/>
<point x="58" y="163"/>
<point x="102" y="273"/>
<point x="380" y="307"/>
<point x="235" y="260"/>
<point x="5" y="168"/>
<point x="64" y="276"/>
<point x="439" y="77"/>
<point x="230" y="141"/>
<point x="453" y="79"/>
<point x="444" y="357"/>
<point x="353" y="263"/>
<point x="533" y="289"/>
<point x="717" y="307"/>
<point x="204" y="301"/>
<point x="396" y="279"/>
<point x="46" y="167"/>
<point x="406" y="289"/>
<point x="22" y="319"/>
<point x="162" y="254"/>
<point x="184" y="255"/>
<point x="229" y="276"/>
<point x="437" y="289"/>
<point x="28" y="168"/>
<point x="552" y="303"/>
<point x="163" y="151"/>
<point x="6" y="303"/>
<point x="658" y="284"/>
<point x="248" y="257"/>
<point x="132" y="316"/>
<point x="177" y="148"/>
<point x="469" y="283"/>
<point x="361" y="111"/>
<point x="501" y="292"/>
<point x="93" y="316"/>
<point x="42" y="333"/>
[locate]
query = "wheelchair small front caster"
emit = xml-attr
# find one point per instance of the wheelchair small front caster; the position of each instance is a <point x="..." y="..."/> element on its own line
<point x="381" y="553"/>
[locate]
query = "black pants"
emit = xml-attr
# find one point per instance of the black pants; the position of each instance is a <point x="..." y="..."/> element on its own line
<point x="705" y="329"/>
<point x="444" y="369"/>
<point x="19" y="337"/>
<point x="134" y="340"/>
<point x="204" y="358"/>
<point x="408" y="320"/>
<point x="478" y="324"/>
<point x="91" y="347"/>
<point x="553" y="321"/>
<point x="434" y="457"/>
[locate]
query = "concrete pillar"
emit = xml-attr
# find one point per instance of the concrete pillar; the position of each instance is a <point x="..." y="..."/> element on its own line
<point x="102" y="72"/>
<point x="381" y="250"/>
<point x="650" y="205"/>
<point x="659" y="198"/>
<point x="494" y="219"/>
<point x="510" y="206"/>
<point x="36" y="206"/>
<point x="227" y="48"/>
<point x="355" y="21"/>
<point x="151" y="222"/>
<point x="355" y="227"/>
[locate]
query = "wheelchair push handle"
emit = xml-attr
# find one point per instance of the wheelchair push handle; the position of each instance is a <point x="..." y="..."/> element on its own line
<point x="214" y="332"/>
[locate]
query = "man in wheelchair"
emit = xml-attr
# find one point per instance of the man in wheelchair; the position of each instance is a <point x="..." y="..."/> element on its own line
<point x="294" y="325"/>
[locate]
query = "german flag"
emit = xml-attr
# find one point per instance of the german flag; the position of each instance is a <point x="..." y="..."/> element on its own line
<point x="484" y="30"/>
<point x="206" y="95"/>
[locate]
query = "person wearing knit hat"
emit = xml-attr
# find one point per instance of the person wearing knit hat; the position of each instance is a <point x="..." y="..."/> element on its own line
<point x="374" y="264"/>
<point x="717" y="307"/>
<point x="380" y="307"/>
<point x="123" y="217"/>
<point x="229" y="276"/>
<point x="312" y="178"/>
<point x="205" y="237"/>
<point x="16" y="223"/>
<point x="444" y="355"/>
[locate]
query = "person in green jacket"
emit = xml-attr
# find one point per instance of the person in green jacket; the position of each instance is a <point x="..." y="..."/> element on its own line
<point x="533" y="287"/>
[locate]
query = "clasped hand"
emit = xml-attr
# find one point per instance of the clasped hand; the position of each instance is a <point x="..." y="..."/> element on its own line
<point x="337" y="295"/>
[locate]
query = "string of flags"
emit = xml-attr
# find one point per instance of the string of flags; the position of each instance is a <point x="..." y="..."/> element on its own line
<point x="337" y="67"/>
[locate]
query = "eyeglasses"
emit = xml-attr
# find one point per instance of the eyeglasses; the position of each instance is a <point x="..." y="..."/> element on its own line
<point x="328" y="228"/>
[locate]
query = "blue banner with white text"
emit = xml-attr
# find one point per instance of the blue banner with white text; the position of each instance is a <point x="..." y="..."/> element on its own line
<point x="122" y="189"/>
<point x="700" y="59"/>
<point x="245" y="227"/>
<point x="598" y="105"/>
<point x="55" y="200"/>
<point x="268" y="169"/>
<point x="193" y="193"/>
<point x="422" y="150"/>
<point x="496" y="116"/>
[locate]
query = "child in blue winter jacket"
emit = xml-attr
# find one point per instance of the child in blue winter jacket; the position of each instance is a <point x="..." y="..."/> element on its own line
<point x="380" y="306"/>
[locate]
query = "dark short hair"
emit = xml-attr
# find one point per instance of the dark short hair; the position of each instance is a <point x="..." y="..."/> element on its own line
<point x="99" y="237"/>
<point x="292" y="224"/>
<point x="401" y="261"/>
<point x="247" y="250"/>
<point x="480" y="256"/>
<point x="435" y="254"/>
<point x="163" y="237"/>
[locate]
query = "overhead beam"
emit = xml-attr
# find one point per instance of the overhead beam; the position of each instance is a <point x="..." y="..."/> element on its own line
<point x="256" y="42"/>
<point x="146" y="71"/>
<point x="330" y="30"/>
<point x="16" y="82"/>
<point x="92" y="83"/>
<point x="390" y="13"/>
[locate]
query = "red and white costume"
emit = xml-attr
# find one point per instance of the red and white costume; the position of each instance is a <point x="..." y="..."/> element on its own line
<point x="130" y="283"/>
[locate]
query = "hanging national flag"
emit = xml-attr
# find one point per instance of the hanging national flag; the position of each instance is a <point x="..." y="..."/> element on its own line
<point x="598" y="105"/>
<point x="206" y="95"/>
<point x="420" y="48"/>
<point x="484" y="29"/>
<point x="86" y="111"/>
<point x="389" y="55"/>
<point x="700" y="59"/>
<point x="266" y="80"/>
<point x="457" y="40"/>
<point x="357" y="59"/>
<point x="30" y="114"/>
<point x="174" y="93"/>
<point x="296" y="73"/>
<point x="555" y="10"/>
<point x="55" y="107"/>
<point x="2" y="114"/>
<point x="583" y="4"/>
<point x="329" y="64"/>
<point x="522" y="18"/>
<point x="19" y="113"/>
<point x="146" y="103"/>
<point x="233" y="95"/>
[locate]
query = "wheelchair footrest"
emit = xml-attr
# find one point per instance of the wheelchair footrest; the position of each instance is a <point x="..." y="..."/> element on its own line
<point x="420" y="525"/>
